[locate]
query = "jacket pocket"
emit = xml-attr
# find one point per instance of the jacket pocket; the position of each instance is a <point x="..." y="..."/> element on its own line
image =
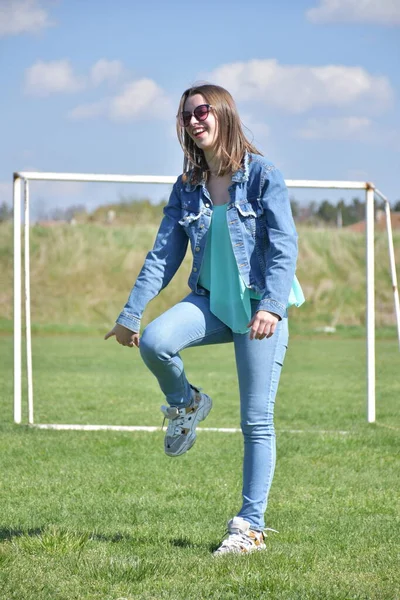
<point x="247" y="217"/>
<point x="189" y="218"/>
<point x="246" y="209"/>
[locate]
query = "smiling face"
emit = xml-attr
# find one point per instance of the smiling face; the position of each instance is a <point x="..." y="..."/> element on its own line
<point x="217" y="145"/>
<point x="203" y="133"/>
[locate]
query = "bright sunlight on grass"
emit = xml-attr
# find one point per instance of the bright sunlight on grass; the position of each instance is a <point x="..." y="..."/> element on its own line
<point x="106" y="516"/>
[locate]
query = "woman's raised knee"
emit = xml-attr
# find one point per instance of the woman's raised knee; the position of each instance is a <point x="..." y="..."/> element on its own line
<point x="152" y="344"/>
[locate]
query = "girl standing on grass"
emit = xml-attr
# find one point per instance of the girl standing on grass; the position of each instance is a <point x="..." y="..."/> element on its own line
<point x="232" y="205"/>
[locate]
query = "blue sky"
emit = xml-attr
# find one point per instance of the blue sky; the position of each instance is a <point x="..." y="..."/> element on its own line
<point x="93" y="86"/>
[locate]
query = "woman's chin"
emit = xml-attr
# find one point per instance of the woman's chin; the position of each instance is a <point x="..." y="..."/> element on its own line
<point x="203" y="145"/>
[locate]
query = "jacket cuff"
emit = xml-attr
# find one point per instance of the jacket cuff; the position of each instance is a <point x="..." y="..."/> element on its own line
<point x="272" y="306"/>
<point x="129" y="321"/>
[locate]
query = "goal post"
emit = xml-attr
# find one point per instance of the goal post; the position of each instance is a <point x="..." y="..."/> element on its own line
<point x="21" y="192"/>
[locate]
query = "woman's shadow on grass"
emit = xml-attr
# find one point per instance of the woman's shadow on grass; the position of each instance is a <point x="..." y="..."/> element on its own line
<point x="187" y="543"/>
<point x="8" y="533"/>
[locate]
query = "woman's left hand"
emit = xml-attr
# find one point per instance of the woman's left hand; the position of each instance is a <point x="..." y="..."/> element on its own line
<point x="262" y="325"/>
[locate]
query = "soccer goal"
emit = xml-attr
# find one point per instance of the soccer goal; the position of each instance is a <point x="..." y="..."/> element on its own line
<point x="21" y="192"/>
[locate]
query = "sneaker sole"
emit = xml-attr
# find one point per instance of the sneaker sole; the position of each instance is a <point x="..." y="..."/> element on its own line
<point x="200" y="415"/>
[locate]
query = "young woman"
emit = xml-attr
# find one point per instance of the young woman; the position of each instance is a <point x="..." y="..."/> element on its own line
<point x="232" y="205"/>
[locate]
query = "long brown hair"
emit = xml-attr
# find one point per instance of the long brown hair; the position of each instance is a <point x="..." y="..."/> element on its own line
<point x="230" y="143"/>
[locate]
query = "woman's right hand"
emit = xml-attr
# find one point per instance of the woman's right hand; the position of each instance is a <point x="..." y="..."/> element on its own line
<point x="124" y="336"/>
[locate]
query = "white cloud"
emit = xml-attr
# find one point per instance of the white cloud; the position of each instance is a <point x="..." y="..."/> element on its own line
<point x="106" y="71"/>
<point x="58" y="76"/>
<point x="22" y="16"/>
<point x="53" y="77"/>
<point x="298" y="88"/>
<point x="345" y="128"/>
<point x="141" y="98"/>
<point x="382" y="12"/>
<point x="89" y="111"/>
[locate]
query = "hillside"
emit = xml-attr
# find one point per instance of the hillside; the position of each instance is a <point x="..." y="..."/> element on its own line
<point x="82" y="274"/>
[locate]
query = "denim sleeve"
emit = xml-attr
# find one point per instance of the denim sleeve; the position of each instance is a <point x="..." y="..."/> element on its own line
<point x="281" y="254"/>
<point x="160" y="265"/>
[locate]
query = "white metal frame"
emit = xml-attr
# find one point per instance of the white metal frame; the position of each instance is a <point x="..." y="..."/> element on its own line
<point x="21" y="189"/>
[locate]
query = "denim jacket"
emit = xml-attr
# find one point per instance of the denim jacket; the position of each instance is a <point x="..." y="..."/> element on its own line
<point x="262" y="231"/>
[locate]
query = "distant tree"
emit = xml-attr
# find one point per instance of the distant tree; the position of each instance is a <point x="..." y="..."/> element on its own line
<point x="327" y="212"/>
<point x="396" y="207"/>
<point x="6" y="212"/>
<point x="66" y="214"/>
<point x="354" y="212"/>
<point x="306" y="213"/>
<point x="312" y="208"/>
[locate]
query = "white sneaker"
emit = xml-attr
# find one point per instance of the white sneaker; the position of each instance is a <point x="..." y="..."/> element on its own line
<point x="241" y="539"/>
<point x="181" y="430"/>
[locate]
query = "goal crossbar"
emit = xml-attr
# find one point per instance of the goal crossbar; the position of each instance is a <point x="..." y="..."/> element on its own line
<point x="21" y="192"/>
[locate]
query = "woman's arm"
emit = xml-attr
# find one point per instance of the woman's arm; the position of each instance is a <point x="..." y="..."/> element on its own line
<point x="160" y="265"/>
<point x="281" y="254"/>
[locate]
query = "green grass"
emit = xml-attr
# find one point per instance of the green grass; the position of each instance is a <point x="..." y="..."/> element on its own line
<point x="106" y="516"/>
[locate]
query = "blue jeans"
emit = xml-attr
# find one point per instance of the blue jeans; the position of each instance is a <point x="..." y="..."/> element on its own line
<point x="259" y="362"/>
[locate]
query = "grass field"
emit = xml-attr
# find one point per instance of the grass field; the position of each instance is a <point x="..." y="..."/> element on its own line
<point x="106" y="516"/>
<point x="83" y="274"/>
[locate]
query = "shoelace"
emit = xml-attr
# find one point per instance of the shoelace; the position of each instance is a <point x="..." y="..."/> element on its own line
<point x="172" y="413"/>
<point x="240" y="540"/>
<point x="237" y="541"/>
<point x="269" y="529"/>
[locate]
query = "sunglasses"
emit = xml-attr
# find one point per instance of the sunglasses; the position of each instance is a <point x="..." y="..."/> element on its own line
<point x="201" y="113"/>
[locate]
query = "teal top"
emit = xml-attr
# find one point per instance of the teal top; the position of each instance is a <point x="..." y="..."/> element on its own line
<point x="219" y="274"/>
